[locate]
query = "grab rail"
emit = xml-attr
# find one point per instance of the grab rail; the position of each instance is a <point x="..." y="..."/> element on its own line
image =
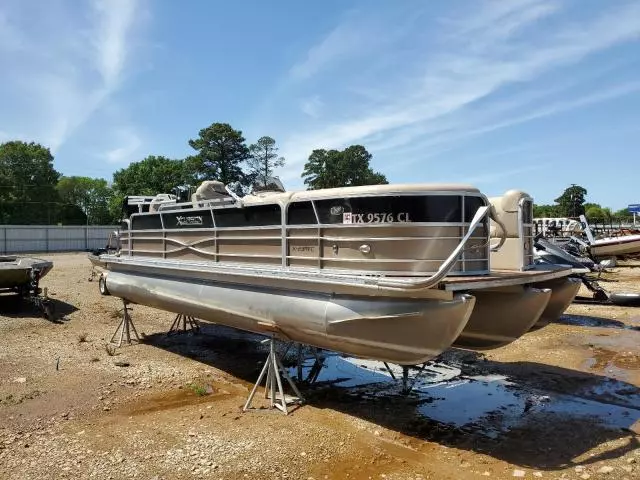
<point x="446" y="266"/>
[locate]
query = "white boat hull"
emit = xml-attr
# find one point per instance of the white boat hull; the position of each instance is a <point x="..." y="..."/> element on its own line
<point x="402" y="331"/>
<point x="614" y="247"/>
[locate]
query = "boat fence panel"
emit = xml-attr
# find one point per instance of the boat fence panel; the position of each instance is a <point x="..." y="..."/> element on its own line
<point x="396" y="235"/>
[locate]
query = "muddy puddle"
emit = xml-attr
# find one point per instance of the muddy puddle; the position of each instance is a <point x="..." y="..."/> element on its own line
<point x="462" y="390"/>
<point x="194" y="394"/>
<point x="607" y="360"/>
<point x="617" y="355"/>
<point x="488" y="404"/>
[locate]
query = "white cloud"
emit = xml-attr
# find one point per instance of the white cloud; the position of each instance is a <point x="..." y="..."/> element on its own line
<point x="494" y="119"/>
<point x="115" y="20"/>
<point x="10" y="37"/>
<point x="502" y="173"/>
<point x="340" y="43"/>
<point x="311" y="106"/>
<point x="428" y="97"/>
<point x="129" y="144"/>
<point x="64" y="66"/>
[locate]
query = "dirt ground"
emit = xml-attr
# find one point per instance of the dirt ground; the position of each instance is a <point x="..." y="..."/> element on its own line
<point x="561" y="402"/>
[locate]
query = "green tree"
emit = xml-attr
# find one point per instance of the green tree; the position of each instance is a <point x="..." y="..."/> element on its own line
<point x="623" y="215"/>
<point x="545" y="211"/>
<point x="91" y="195"/>
<point x="221" y="154"/>
<point x="27" y="184"/>
<point x="571" y="202"/>
<point x="150" y="176"/>
<point x="263" y="159"/>
<point x="607" y="214"/>
<point x="594" y="213"/>
<point x="320" y="170"/>
<point x="347" y="168"/>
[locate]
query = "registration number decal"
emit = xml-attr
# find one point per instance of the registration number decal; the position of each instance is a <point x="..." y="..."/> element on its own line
<point x="349" y="217"/>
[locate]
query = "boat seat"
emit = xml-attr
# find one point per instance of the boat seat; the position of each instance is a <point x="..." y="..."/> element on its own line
<point x="159" y="200"/>
<point x="515" y="253"/>
<point x="506" y="210"/>
<point x="267" y="197"/>
<point x="210" y="190"/>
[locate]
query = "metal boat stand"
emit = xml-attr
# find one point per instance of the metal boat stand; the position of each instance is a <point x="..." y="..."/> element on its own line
<point x="274" y="371"/>
<point x="40" y="300"/>
<point x="37" y="296"/>
<point x="315" y="369"/>
<point x="93" y="274"/>
<point x="183" y="323"/>
<point x="407" y="386"/>
<point x="126" y="326"/>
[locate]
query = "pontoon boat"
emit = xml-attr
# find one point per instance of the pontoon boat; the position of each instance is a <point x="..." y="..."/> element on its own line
<point x="387" y="272"/>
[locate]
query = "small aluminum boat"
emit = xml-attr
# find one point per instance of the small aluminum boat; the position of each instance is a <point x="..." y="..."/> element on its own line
<point x="18" y="273"/>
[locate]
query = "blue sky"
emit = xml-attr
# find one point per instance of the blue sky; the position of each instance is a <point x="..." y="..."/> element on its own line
<point x="529" y="94"/>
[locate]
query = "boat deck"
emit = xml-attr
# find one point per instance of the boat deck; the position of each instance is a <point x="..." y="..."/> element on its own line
<point x="297" y="278"/>
<point x="504" y="278"/>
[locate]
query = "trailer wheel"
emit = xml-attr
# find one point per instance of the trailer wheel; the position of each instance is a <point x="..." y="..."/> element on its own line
<point x="102" y="286"/>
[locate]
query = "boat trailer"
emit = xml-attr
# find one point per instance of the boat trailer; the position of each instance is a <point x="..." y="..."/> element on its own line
<point x="32" y="293"/>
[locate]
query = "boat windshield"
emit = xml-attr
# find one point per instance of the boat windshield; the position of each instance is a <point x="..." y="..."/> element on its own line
<point x="268" y="184"/>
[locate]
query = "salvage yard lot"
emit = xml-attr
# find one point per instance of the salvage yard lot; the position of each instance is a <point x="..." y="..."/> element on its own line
<point x="561" y="402"/>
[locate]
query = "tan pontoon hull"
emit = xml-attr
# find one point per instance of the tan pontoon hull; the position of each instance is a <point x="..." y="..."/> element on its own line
<point x="402" y="331"/>
<point x="501" y="316"/>
<point x="563" y="291"/>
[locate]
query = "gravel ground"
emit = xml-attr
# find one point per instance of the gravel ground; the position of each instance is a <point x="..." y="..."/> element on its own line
<point x="566" y="402"/>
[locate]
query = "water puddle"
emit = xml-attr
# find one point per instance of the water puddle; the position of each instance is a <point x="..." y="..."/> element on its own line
<point x="587" y="321"/>
<point x="488" y="404"/>
<point x="463" y="390"/>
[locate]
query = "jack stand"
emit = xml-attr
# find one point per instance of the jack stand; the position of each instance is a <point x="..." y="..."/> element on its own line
<point x="125" y="327"/>
<point x="274" y="372"/>
<point x="405" y="379"/>
<point x="386" y="365"/>
<point x="406" y="387"/>
<point x="93" y="274"/>
<point x="182" y="323"/>
<point x="43" y="303"/>
<point x="315" y="369"/>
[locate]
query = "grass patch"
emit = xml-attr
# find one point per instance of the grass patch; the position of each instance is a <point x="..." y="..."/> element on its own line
<point x="198" y="389"/>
